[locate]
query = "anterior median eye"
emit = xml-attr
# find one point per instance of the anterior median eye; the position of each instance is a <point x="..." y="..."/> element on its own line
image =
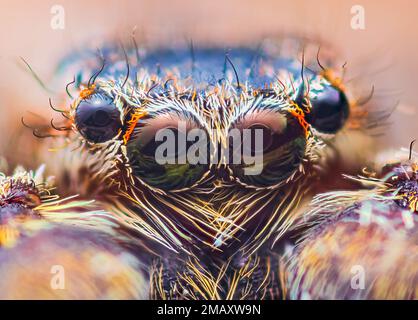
<point x="169" y="151"/>
<point x="270" y="146"/>
<point x="97" y="118"/>
<point x="267" y="136"/>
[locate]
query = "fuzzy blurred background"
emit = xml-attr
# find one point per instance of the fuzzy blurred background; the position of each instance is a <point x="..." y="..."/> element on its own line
<point x="382" y="55"/>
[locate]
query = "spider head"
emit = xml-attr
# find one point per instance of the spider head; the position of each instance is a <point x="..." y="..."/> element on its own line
<point x="208" y="160"/>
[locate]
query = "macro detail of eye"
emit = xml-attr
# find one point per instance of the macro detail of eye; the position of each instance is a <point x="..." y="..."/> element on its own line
<point x="272" y="145"/>
<point x="162" y="155"/>
<point x="267" y="138"/>
<point x="97" y="118"/>
<point x="329" y="111"/>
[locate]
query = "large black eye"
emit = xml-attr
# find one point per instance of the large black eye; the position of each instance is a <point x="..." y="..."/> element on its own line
<point x="169" y="151"/>
<point x="330" y="110"/>
<point x="272" y="157"/>
<point x="97" y="118"/>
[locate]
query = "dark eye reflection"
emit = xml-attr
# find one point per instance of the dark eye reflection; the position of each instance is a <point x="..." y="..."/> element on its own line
<point x="269" y="147"/>
<point x="267" y="134"/>
<point x="97" y="118"/>
<point x="170" y="135"/>
<point x="330" y="110"/>
<point x="180" y="149"/>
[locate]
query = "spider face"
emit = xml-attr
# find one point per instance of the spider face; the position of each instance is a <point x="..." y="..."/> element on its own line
<point x="189" y="138"/>
<point x="97" y="119"/>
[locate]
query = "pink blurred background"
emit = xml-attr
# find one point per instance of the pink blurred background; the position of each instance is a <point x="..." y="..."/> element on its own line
<point x="384" y="54"/>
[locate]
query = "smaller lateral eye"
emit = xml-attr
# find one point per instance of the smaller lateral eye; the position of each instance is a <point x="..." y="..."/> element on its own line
<point x="330" y="110"/>
<point x="97" y="118"/>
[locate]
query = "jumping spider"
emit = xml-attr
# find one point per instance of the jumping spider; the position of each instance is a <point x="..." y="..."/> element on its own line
<point x="208" y="229"/>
